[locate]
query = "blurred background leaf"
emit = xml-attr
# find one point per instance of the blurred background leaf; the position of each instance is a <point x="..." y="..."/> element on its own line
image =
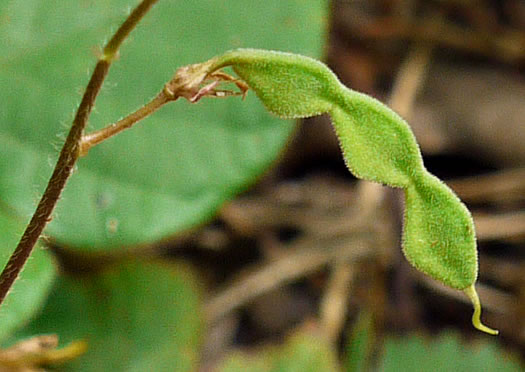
<point x="444" y="353"/>
<point x="359" y="348"/>
<point x="31" y="289"/>
<point x="135" y="316"/>
<point x="175" y="169"/>
<point x="306" y="350"/>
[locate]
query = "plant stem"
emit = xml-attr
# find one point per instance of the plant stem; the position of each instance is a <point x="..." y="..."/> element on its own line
<point x="186" y="83"/>
<point x="69" y="154"/>
<point x="92" y="139"/>
<point x="112" y="47"/>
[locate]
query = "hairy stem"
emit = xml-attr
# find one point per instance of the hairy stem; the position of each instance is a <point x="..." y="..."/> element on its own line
<point x="112" y="47"/>
<point x="92" y="139"/>
<point x="69" y="154"/>
<point x="187" y="83"/>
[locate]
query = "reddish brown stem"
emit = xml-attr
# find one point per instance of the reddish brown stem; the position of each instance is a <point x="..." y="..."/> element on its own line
<point x="68" y="155"/>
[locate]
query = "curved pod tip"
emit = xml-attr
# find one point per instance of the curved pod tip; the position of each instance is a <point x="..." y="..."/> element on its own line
<point x="476" y="321"/>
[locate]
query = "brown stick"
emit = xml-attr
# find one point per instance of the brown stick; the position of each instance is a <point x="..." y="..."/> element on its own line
<point x="69" y="154"/>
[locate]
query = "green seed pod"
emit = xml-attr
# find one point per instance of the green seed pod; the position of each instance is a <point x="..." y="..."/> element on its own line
<point x="377" y="145"/>
<point x="438" y="233"/>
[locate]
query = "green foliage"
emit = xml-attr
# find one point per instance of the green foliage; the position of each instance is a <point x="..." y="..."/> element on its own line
<point x="134" y="316"/>
<point x="174" y="170"/>
<point x="414" y="353"/>
<point x="444" y="354"/>
<point x="171" y="173"/>
<point x="31" y="289"/>
<point x="359" y="346"/>
<point x="304" y="351"/>
<point x="181" y="165"/>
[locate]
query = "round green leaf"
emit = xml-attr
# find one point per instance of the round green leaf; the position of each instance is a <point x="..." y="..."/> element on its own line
<point x="177" y="167"/>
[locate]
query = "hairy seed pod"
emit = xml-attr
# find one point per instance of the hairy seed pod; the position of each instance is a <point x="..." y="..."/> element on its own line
<point x="377" y="145"/>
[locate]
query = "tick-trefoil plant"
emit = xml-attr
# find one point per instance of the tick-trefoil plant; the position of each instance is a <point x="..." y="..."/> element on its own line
<point x="377" y="145"/>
